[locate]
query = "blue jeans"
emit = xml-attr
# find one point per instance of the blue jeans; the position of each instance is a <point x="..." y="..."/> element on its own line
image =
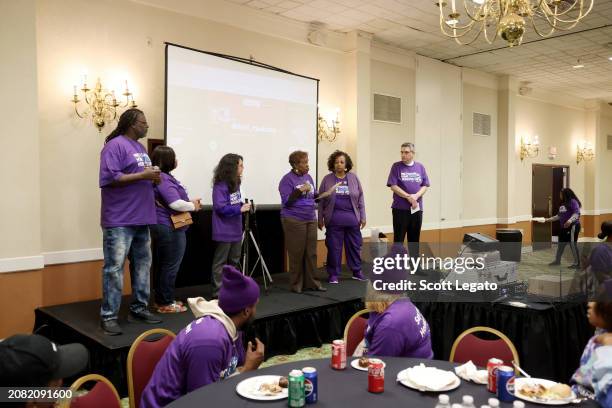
<point x="119" y="243"/>
<point x="169" y="250"/>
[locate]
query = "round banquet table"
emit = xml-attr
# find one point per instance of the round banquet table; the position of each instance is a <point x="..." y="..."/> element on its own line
<point x="345" y="388"/>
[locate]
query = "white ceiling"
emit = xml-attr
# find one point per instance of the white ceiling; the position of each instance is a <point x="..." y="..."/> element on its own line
<point x="414" y="25"/>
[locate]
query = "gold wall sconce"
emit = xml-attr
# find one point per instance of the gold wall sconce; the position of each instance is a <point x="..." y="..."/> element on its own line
<point x="328" y="129"/>
<point x="100" y="104"/>
<point x="529" y="148"/>
<point x="584" y="152"/>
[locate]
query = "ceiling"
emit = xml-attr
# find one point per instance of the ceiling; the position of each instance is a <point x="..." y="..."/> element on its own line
<point x="414" y="25"/>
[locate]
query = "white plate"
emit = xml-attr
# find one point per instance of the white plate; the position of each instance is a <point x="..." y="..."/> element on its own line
<point x="454" y="384"/>
<point x="249" y="388"/>
<point x="519" y="382"/>
<point x="356" y="366"/>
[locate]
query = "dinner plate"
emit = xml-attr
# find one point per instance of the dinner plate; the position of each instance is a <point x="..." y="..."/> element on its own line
<point x="356" y="366"/>
<point x="520" y="382"/>
<point x="451" y="386"/>
<point x="249" y="388"/>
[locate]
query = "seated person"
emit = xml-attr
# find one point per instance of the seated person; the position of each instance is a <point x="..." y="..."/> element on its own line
<point x="396" y="327"/>
<point x="583" y="381"/>
<point x="30" y="360"/>
<point x="600" y="259"/>
<point x="602" y="370"/>
<point x="210" y="348"/>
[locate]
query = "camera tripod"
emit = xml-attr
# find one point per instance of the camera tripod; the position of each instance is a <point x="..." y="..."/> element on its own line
<point x="248" y="234"/>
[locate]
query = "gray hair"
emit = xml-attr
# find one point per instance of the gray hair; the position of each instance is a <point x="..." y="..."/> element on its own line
<point x="408" y="145"/>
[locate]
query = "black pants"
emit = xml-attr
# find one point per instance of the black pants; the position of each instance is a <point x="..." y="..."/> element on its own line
<point x="405" y="223"/>
<point x="569" y="235"/>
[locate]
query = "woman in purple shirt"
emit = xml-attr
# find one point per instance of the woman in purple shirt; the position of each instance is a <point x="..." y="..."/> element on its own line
<point x="227" y="215"/>
<point x="569" y="218"/>
<point x="299" y="220"/>
<point x="170" y="198"/>
<point x="343" y="215"/>
<point x="128" y="208"/>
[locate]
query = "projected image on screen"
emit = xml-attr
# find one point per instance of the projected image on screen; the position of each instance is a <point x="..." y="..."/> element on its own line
<point x="216" y="105"/>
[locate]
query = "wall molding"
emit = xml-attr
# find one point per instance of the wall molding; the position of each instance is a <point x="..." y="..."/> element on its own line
<point x="597" y="212"/>
<point x="24" y="263"/>
<point x="73" y="256"/>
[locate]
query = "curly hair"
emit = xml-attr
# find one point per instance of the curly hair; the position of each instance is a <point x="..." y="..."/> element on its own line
<point x="296" y="157"/>
<point x="331" y="161"/>
<point x="227" y="170"/>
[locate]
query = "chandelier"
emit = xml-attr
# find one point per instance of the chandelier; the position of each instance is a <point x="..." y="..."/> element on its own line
<point x="100" y="104"/>
<point x="465" y="20"/>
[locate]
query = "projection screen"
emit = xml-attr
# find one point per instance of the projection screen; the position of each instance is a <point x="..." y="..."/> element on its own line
<point x="219" y="104"/>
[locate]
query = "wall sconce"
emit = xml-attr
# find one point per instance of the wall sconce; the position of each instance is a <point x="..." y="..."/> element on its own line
<point x="552" y="153"/>
<point x="101" y="105"/>
<point x="328" y="129"/>
<point x="529" y="148"/>
<point x="585" y="152"/>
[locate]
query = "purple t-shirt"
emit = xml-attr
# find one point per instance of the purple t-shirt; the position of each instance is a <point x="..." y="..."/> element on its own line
<point x="130" y="204"/>
<point x="343" y="215"/>
<point x="202" y="353"/>
<point x="303" y="208"/>
<point x="400" y="331"/>
<point x="408" y="178"/>
<point x="566" y="212"/>
<point x="167" y="192"/>
<point x="226" y="217"/>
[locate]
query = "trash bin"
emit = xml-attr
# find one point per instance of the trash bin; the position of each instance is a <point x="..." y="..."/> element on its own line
<point x="511" y="241"/>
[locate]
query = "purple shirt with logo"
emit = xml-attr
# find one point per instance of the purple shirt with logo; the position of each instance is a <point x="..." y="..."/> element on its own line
<point x="400" y="331"/>
<point x="202" y="353"/>
<point x="566" y="211"/>
<point x="226" y="217"/>
<point x="344" y="214"/>
<point x="129" y="204"/>
<point x="408" y="178"/>
<point x="303" y="208"/>
<point x="167" y="192"/>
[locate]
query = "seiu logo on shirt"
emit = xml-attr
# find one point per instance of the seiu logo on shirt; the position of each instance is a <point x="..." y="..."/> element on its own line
<point x="235" y="198"/>
<point x="142" y="159"/>
<point x="418" y="319"/>
<point x="411" y="177"/>
<point x="562" y="209"/>
<point x="342" y="189"/>
<point x="231" y="368"/>
<point x="310" y="193"/>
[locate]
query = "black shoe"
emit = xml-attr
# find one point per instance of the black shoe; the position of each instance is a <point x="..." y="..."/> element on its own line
<point x="143" y="316"/>
<point x="321" y="289"/>
<point x="554" y="263"/>
<point x="574" y="266"/>
<point x="111" y="327"/>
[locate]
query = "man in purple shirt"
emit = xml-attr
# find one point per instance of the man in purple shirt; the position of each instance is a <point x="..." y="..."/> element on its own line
<point x="128" y="208"/>
<point x="210" y="348"/>
<point x="408" y="180"/>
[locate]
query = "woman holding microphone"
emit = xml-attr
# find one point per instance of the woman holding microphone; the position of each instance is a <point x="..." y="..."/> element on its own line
<point x="343" y="216"/>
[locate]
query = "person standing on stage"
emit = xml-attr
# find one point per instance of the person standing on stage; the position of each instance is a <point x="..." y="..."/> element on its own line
<point x="298" y="217"/>
<point x="227" y="215"/>
<point x="408" y="180"/>
<point x="343" y="215"/>
<point x="128" y="208"/>
<point x="569" y="218"/>
<point x="170" y="198"/>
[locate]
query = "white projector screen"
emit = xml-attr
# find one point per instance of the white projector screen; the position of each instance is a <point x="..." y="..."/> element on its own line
<point x="217" y="105"/>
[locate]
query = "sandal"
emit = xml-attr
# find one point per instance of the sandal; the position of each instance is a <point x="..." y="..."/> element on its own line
<point x="171" y="308"/>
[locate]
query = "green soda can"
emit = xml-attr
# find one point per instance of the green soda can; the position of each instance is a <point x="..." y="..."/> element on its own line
<point x="297" y="395"/>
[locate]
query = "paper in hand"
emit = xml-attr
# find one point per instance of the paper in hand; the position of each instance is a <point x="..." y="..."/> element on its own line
<point x="415" y="209"/>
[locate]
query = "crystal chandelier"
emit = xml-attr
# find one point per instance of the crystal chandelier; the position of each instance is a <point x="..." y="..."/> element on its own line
<point x="465" y="20"/>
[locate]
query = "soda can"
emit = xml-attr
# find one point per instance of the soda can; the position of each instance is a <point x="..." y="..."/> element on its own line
<point x="492" y="365"/>
<point x="505" y="383"/>
<point x="310" y="384"/>
<point x="296" y="389"/>
<point x="376" y="375"/>
<point x="338" y="355"/>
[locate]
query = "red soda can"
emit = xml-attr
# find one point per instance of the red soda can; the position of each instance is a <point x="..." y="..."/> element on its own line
<point x="376" y="375"/>
<point x="338" y="361"/>
<point x="492" y="366"/>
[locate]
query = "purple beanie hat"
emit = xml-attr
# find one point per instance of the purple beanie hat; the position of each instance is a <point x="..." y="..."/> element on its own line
<point x="237" y="291"/>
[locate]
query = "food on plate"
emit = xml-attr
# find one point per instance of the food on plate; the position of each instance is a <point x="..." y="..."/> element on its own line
<point x="557" y="391"/>
<point x="270" y="389"/>
<point x="533" y="390"/>
<point x="283" y="382"/>
<point x="363" y="362"/>
<point x="560" y="391"/>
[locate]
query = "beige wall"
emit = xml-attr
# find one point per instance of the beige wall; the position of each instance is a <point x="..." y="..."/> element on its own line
<point x="19" y="166"/>
<point x="604" y="160"/>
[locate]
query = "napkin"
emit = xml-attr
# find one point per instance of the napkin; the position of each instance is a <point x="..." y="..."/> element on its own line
<point x="539" y="219"/>
<point x="469" y="372"/>
<point x="427" y="378"/>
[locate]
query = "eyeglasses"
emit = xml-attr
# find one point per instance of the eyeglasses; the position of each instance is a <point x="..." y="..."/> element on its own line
<point x="141" y="122"/>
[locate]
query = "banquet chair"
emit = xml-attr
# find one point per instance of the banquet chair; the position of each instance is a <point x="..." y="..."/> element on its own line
<point x="103" y="394"/>
<point x="470" y="347"/>
<point x="354" y="331"/>
<point x="142" y="359"/>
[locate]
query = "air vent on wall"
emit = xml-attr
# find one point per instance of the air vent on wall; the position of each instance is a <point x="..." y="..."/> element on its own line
<point x="609" y="142"/>
<point x="481" y="124"/>
<point x="387" y="108"/>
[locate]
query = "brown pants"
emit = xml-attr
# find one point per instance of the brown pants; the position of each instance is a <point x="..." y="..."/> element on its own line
<point x="301" y="244"/>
